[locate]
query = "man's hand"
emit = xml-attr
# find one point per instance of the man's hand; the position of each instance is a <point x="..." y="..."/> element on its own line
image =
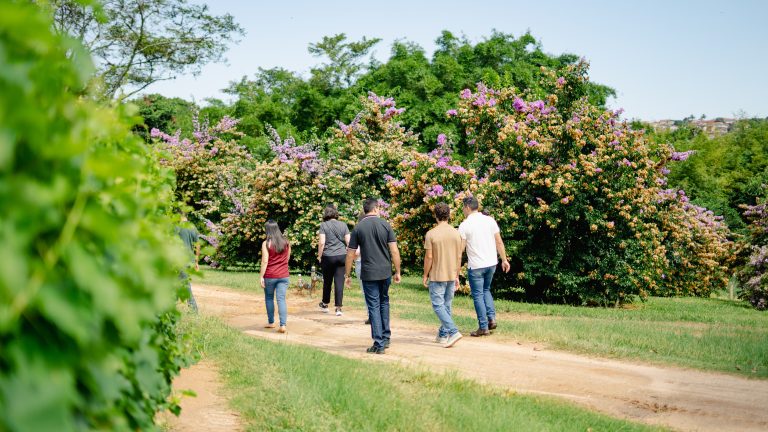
<point x="397" y="278"/>
<point x="425" y="280"/>
<point x="197" y="267"/>
<point x="263" y="284"/>
<point x="347" y="281"/>
<point x="319" y="258"/>
<point x="456" y="283"/>
<point x="505" y="266"/>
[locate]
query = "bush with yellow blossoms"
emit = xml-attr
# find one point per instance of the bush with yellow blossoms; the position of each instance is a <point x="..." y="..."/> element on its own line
<point x="579" y="196"/>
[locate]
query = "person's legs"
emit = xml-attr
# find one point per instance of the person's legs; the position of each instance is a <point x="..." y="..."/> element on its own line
<point x="281" y="290"/>
<point x="338" y="278"/>
<point x="490" y="309"/>
<point x="437" y="293"/>
<point x="372" y="301"/>
<point x="476" y="283"/>
<point x="384" y="302"/>
<point x="328" y="271"/>
<point x="269" y="299"/>
<point x="191" y="300"/>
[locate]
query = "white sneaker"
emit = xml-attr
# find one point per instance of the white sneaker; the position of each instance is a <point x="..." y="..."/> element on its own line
<point x="453" y="339"/>
<point x="338" y="312"/>
<point x="441" y="339"/>
<point x="323" y="307"/>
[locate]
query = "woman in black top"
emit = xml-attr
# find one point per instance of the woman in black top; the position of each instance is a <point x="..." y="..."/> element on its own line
<point x="332" y="252"/>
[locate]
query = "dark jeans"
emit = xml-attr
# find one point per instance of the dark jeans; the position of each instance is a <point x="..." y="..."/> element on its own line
<point x="480" y="287"/>
<point x="377" y="300"/>
<point x="333" y="273"/>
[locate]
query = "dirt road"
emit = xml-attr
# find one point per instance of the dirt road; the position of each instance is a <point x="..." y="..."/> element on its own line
<point x="678" y="398"/>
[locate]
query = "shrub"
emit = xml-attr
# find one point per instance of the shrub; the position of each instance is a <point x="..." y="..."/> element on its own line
<point x="576" y="192"/>
<point x="88" y="261"/>
<point x="753" y="275"/>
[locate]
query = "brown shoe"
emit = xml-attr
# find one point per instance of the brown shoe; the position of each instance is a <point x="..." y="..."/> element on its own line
<point x="480" y="332"/>
<point x="491" y="324"/>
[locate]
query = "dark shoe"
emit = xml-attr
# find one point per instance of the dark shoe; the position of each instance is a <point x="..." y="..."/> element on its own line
<point x="374" y="350"/>
<point x="323" y="307"/>
<point x="491" y="324"/>
<point x="386" y="344"/>
<point x="480" y="332"/>
<point x="368" y="321"/>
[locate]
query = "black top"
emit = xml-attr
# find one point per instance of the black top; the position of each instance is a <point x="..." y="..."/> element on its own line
<point x="334" y="231"/>
<point x="373" y="235"/>
<point x="189" y="236"/>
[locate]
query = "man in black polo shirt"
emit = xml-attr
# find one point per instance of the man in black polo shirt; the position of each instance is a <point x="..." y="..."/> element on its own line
<point x="378" y="251"/>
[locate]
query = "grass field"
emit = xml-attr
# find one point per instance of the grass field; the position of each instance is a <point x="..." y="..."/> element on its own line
<point x="280" y="387"/>
<point x="707" y="334"/>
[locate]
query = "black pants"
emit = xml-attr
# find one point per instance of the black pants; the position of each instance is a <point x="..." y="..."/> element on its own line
<point x="333" y="271"/>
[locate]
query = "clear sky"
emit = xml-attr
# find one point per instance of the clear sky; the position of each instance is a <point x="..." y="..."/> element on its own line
<point x="666" y="59"/>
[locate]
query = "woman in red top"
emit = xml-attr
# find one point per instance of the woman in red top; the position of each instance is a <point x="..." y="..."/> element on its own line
<point x="275" y="253"/>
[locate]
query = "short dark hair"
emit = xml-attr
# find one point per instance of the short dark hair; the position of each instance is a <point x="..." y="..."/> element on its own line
<point x="471" y="202"/>
<point x="370" y="205"/>
<point x="330" y="212"/>
<point x="442" y="211"/>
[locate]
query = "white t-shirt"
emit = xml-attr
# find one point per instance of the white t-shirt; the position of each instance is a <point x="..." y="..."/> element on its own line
<point x="479" y="231"/>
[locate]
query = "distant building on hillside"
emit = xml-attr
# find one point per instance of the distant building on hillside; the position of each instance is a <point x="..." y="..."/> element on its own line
<point x="711" y="128"/>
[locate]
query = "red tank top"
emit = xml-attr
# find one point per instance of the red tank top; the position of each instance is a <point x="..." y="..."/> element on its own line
<point x="277" y="265"/>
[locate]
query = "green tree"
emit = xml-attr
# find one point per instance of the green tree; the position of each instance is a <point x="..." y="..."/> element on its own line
<point x="138" y="42"/>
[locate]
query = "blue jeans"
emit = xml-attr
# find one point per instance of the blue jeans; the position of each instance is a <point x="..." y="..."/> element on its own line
<point x="358" y="270"/>
<point x="480" y="286"/>
<point x="441" y="294"/>
<point x="188" y="282"/>
<point x="377" y="300"/>
<point x="279" y="287"/>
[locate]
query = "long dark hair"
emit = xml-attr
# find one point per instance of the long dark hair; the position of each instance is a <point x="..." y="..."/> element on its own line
<point x="275" y="236"/>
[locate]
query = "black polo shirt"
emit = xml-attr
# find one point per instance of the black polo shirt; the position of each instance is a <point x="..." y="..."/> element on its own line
<point x="373" y="235"/>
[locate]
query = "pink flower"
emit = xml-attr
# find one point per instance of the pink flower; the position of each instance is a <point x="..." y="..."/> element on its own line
<point x="441" y="139"/>
<point x="451" y="113"/>
<point x="466" y="93"/>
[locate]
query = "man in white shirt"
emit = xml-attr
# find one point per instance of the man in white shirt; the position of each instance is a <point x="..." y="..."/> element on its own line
<point x="482" y="239"/>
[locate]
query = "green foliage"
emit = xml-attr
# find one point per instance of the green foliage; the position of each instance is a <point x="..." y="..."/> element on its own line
<point x="88" y="261"/>
<point x="726" y="171"/>
<point x="163" y="113"/>
<point x="428" y="87"/>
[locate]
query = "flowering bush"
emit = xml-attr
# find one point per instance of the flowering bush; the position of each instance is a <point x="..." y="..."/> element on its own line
<point x="753" y="276"/>
<point x="426" y="180"/>
<point x="576" y="193"/>
<point x="297" y="184"/>
<point x="210" y="170"/>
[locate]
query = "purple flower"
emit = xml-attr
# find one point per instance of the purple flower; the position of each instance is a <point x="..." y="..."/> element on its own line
<point x="681" y="156"/>
<point x="441" y="139"/>
<point x="665" y="171"/>
<point x="451" y="112"/>
<point x="214" y="151"/>
<point x="435" y="191"/>
<point x="539" y="105"/>
<point x="560" y="81"/>
<point x="598" y="170"/>
<point x="532" y="143"/>
<point x="519" y="105"/>
<point x="471" y="142"/>
<point x="466" y="93"/>
<point x="523" y="175"/>
<point x="565" y="200"/>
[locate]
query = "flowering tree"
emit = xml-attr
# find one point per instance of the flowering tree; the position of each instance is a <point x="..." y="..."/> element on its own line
<point x="577" y="193"/>
<point x="753" y="276"/>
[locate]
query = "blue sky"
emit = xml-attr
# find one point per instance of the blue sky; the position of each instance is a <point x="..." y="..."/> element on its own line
<point x="666" y="59"/>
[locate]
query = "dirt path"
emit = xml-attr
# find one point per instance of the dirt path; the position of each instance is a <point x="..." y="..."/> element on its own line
<point x="208" y="411"/>
<point x="677" y="398"/>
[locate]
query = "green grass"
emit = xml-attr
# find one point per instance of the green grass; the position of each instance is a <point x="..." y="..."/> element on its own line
<point x="707" y="334"/>
<point x="279" y="386"/>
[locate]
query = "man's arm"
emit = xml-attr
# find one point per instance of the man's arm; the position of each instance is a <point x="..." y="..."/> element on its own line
<point x="197" y="256"/>
<point x="502" y="252"/>
<point x="395" y="252"/>
<point x="427" y="266"/>
<point x="348" y="265"/>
